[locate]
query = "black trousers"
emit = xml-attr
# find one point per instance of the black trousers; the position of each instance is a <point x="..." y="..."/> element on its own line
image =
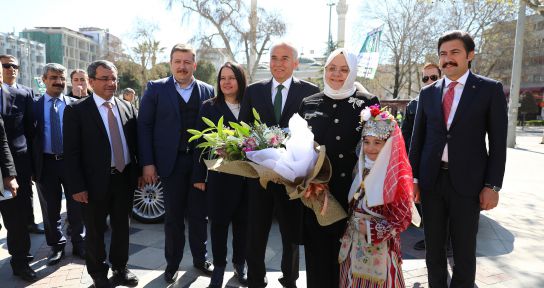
<point x="117" y="205"/>
<point x="443" y="207"/>
<point x="23" y="165"/>
<point x="181" y="200"/>
<point x="262" y="203"/>
<point x="50" y="189"/>
<point x="18" y="239"/>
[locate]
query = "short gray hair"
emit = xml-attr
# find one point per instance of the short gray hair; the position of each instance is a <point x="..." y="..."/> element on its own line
<point x="128" y="90"/>
<point x="55" y="67"/>
<point x="91" y="70"/>
<point x="288" y="44"/>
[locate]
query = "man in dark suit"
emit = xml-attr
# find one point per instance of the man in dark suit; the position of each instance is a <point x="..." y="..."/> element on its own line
<point x="168" y="108"/>
<point x="17" y="103"/>
<point x="99" y="136"/>
<point x="458" y="176"/>
<point x="48" y="160"/>
<point x="276" y="100"/>
<point x="18" y="239"/>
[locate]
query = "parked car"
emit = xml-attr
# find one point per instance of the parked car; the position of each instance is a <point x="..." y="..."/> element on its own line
<point x="148" y="205"/>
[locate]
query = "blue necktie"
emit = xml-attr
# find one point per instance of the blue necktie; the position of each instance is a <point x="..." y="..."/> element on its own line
<point x="56" y="133"/>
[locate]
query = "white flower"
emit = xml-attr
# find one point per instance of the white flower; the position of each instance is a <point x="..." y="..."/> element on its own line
<point x="365" y="114"/>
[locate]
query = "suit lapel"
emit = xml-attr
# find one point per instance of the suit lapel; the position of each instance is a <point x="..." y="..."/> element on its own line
<point x="173" y="95"/>
<point x="437" y="100"/>
<point x="95" y="115"/>
<point x="467" y="97"/>
<point x="269" y="104"/>
<point x="5" y="98"/>
<point x="40" y="115"/>
<point x="292" y="96"/>
<point x="225" y="110"/>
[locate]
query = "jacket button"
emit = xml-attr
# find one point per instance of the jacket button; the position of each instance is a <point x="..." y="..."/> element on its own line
<point x="338" y="137"/>
<point x="340" y="156"/>
<point x="448" y="136"/>
<point x="334" y="105"/>
<point x="342" y="174"/>
<point x="336" y="121"/>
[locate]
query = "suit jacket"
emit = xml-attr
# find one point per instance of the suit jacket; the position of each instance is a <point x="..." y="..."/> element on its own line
<point x="159" y="123"/>
<point x="7" y="167"/>
<point x="481" y="110"/>
<point x="38" y="139"/>
<point x="87" y="151"/>
<point x="17" y="105"/>
<point x="259" y="96"/>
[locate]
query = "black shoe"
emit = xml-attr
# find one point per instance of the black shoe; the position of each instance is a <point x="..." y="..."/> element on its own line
<point x="205" y="267"/>
<point x="170" y="276"/>
<point x="240" y="273"/>
<point x="79" y="252"/>
<point x="101" y="282"/>
<point x="25" y="272"/>
<point x="55" y="257"/>
<point x="125" y="277"/>
<point x="35" y="229"/>
<point x="216" y="280"/>
<point x="287" y="284"/>
<point x="420" y="245"/>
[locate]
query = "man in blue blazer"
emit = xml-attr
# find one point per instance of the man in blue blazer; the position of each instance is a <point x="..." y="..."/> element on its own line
<point x="168" y="108"/>
<point x="276" y="100"/>
<point x="49" y="170"/>
<point x="454" y="172"/>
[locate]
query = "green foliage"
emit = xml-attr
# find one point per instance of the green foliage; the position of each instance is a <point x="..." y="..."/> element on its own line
<point x="205" y="71"/>
<point x="129" y="76"/>
<point x="534" y="123"/>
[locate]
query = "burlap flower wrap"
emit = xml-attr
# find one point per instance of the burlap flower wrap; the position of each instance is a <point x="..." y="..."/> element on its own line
<point x="324" y="205"/>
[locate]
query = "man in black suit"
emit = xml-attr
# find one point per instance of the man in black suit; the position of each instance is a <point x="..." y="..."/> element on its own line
<point x="458" y="176"/>
<point x="16" y="104"/>
<point x="276" y="100"/>
<point x="48" y="160"/>
<point x="169" y="107"/>
<point x="99" y="136"/>
<point x="18" y="239"/>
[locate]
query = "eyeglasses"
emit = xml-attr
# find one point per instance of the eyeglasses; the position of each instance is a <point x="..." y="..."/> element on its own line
<point x="9" y="65"/>
<point x="341" y="70"/>
<point x="106" y="79"/>
<point x="426" y="78"/>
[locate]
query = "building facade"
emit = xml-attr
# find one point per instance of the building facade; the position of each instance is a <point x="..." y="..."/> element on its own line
<point x="109" y="45"/>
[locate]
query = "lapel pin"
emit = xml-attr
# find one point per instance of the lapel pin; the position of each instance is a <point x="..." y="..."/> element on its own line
<point x="473" y="86"/>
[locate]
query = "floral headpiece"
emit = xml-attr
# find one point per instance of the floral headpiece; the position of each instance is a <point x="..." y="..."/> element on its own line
<point x="377" y="122"/>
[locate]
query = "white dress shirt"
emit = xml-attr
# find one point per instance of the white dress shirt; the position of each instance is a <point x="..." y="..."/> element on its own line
<point x="458" y="90"/>
<point x="286" y="84"/>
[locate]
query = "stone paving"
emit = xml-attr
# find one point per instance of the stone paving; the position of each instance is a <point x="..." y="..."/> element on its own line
<point x="510" y="247"/>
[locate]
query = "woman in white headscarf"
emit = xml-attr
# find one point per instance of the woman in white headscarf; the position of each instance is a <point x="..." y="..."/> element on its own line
<point x="333" y="116"/>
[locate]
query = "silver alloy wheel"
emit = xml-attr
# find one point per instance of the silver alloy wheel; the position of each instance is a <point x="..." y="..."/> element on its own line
<point x="148" y="204"/>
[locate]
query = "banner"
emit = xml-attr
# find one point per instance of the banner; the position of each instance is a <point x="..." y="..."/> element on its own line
<point x="369" y="54"/>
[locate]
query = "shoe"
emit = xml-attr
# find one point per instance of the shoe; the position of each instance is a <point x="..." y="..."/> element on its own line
<point x="287" y="284"/>
<point x="35" y="229"/>
<point x="170" y="276"/>
<point x="25" y="272"/>
<point x="205" y="267"/>
<point x="125" y="277"/>
<point x="420" y="245"/>
<point x="101" y="282"/>
<point x="216" y="280"/>
<point x="240" y="273"/>
<point x="79" y="252"/>
<point x="55" y="257"/>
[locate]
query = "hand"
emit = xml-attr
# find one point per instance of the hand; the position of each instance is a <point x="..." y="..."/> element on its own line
<point x="150" y="174"/>
<point x="10" y="183"/>
<point x="78" y="90"/>
<point x="489" y="199"/>
<point x="417" y="193"/>
<point x="200" y="186"/>
<point x="141" y="182"/>
<point x="81" y="197"/>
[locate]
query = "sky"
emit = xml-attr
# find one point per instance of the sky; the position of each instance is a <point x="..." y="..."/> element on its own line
<point x="306" y="20"/>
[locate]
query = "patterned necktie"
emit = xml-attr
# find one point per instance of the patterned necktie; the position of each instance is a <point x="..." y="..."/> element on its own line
<point x="277" y="103"/>
<point x="448" y="100"/>
<point x="115" y="135"/>
<point x="56" y="132"/>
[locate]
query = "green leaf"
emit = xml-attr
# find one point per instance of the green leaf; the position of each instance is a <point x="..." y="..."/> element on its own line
<point x="220" y="127"/>
<point x="195" y="137"/>
<point x="204" y="145"/>
<point x="208" y="122"/>
<point x="194" y="132"/>
<point x="256" y="115"/>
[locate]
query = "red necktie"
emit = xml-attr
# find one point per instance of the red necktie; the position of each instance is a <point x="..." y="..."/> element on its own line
<point x="448" y="100"/>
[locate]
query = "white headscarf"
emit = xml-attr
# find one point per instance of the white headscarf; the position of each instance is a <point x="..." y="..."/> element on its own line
<point x="349" y="87"/>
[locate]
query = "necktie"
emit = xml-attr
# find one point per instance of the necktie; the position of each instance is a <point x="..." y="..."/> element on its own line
<point x="448" y="100"/>
<point x="277" y="103"/>
<point x="115" y="135"/>
<point x="56" y="132"/>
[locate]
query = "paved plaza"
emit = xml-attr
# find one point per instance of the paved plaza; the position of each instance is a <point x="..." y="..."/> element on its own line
<point x="510" y="241"/>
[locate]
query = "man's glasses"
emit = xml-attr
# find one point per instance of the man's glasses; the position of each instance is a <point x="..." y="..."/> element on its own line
<point x="432" y="77"/>
<point x="9" y="65"/>
<point x="106" y="79"/>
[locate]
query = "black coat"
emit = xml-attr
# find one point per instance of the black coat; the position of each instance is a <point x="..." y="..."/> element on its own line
<point x="408" y="122"/>
<point x="7" y="167"/>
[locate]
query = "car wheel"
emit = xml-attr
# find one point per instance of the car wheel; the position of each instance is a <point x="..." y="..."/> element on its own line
<point x="148" y="206"/>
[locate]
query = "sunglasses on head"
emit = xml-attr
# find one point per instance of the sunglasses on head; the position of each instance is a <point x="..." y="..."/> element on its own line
<point x="8" y="65"/>
<point x="426" y="78"/>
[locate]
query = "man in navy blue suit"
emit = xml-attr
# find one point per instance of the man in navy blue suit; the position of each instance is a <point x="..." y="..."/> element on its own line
<point x="168" y="108"/>
<point x="276" y="100"/>
<point x="455" y="174"/>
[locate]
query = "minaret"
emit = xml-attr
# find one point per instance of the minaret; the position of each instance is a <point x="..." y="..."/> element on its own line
<point x="341" y="10"/>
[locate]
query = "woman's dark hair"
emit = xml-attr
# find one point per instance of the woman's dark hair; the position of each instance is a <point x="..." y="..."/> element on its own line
<point x="240" y="76"/>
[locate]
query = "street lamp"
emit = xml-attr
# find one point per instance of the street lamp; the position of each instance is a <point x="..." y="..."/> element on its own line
<point x="330" y="44"/>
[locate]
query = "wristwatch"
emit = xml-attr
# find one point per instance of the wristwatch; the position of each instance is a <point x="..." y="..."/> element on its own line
<point x="494" y="188"/>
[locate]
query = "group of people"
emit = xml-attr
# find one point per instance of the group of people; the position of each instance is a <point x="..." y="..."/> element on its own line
<point x="108" y="148"/>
